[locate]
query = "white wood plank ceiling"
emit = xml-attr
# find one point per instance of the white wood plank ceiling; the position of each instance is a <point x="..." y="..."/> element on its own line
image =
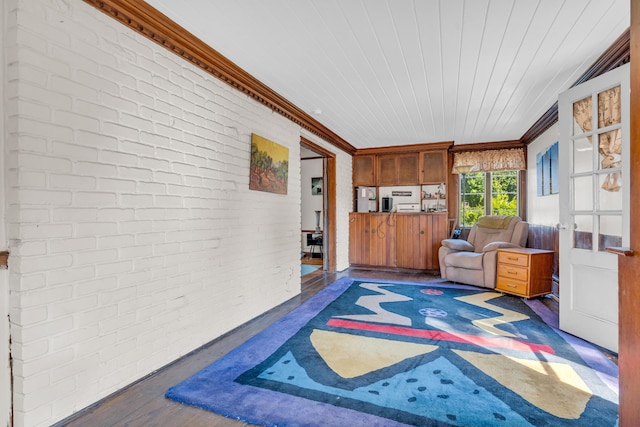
<point x="392" y="72"/>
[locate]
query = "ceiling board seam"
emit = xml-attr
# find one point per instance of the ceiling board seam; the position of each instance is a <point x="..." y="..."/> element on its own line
<point x="444" y="124"/>
<point x="371" y="68"/>
<point x="583" y="64"/>
<point x="340" y="69"/>
<point x="475" y="73"/>
<point x="540" y="92"/>
<point x="498" y="95"/>
<point x="493" y="68"/>
<point x="145" y="20"/>
<point x="380" y="48"/>
<point x="616" y="55"/>
<point x="319" y="64"/>
<point x="406" y="68"/>
<point x="457" y="85"/>
<point x="424" y="71"/>
<point x="528" y="67"/>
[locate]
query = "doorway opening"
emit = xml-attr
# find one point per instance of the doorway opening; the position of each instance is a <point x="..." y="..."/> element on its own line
<point x="317" y="208"/>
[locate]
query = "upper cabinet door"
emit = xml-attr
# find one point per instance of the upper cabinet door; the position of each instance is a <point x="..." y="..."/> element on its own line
<point x="387" y="170"/>
<point x="433" y="167"/>
<point x="364" y="171"/>
<point x="398" y="169"/>
<point x="408" y="169"/>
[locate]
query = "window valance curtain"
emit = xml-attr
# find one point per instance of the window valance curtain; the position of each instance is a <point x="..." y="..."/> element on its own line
<point x="489" y="160"/>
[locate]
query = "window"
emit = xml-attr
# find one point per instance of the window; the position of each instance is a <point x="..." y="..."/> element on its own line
<point x="487" y="193"/>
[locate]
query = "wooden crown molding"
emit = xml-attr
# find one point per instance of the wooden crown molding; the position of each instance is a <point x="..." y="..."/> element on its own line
<point x="483" y="146"/>
<point x="619" y="53"/>
<point x="148" y="21"/>
<point x="315" y="147"/>
<point x="411" y="148"/>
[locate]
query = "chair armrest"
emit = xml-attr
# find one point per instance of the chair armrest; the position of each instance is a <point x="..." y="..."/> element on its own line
<point x="497" y="245"/>
<point x="458" y="245"/>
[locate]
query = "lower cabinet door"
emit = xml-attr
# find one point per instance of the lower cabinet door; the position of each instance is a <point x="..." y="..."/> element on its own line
<point x="418" y="239"/>
<point x="410" y="238"/>
<point x="404" y="240"/>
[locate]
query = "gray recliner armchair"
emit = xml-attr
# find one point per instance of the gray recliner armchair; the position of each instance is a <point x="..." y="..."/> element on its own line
<point x="473" y="261"/>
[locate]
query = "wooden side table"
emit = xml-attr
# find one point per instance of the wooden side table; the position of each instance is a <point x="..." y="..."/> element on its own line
<point x="524" y="272"/>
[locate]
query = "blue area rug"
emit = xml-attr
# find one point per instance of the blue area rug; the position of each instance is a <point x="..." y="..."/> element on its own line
<point x="375" y="353"/>
<point x="308" y="268"/>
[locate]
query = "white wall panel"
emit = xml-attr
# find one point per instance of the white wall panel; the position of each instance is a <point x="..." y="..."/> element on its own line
<point x="541" y="210"/>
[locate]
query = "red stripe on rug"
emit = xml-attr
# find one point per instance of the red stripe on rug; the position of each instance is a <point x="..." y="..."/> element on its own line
<point x="442" y="336"/>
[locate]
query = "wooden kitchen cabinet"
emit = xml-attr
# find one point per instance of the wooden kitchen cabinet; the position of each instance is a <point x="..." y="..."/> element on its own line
<point x="402" y="165"/>
<point x="372" y="239"/>
<point x="396" y="240"/>
<point x="433" y="167"/>
<point x="364" y="168"/>
<point x="398" y="169"/>
<point x="524" y="272"/>
<point x="418" y="238"/>
<point x="358" y="245"/>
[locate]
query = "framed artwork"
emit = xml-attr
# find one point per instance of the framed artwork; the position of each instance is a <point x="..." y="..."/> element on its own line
<point x="316" y="186"/>
<point x="269" y="168"/>
<point x="547" y="171"/>
<point x="540" y="175"/>
<point x="554" y="166"/>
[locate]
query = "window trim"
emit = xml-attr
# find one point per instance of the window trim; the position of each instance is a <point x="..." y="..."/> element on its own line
<point x="488" y="206"/>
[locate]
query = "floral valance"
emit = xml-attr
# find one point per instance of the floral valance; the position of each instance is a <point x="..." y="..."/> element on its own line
<point x="489" y="161"/>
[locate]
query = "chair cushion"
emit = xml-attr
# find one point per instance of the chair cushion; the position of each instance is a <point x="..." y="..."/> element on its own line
<point x="484" y="236"/>
<point x="467" y="260"/>
<point x="494" y="246"/>
<point x="458" y="245"/>
<point x="495" y="221"/>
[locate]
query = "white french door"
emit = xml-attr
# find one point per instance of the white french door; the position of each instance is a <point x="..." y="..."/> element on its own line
<point x="594" y="203"/>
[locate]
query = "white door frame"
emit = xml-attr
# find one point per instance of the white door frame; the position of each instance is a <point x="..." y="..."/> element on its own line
<point x="589" y="278"/>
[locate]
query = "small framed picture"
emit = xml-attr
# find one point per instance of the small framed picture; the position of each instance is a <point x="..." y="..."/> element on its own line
<point x="316" y="186"/>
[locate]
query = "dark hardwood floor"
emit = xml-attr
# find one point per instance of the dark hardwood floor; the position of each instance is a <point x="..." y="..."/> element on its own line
<point x="144" y="404"/>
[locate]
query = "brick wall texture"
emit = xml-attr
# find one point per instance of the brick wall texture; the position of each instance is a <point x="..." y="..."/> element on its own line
<point x="134" y="237"/>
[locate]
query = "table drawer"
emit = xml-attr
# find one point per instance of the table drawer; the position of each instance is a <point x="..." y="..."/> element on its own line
<point x="512" y="286"/>
<point x="513" y="258"/>
<point x="513" y="272"/>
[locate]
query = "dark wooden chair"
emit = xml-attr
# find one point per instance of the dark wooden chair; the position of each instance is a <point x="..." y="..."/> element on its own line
<point x="314" y="242"/>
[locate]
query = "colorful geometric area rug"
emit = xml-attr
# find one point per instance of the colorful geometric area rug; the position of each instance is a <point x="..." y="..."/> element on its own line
<point x="376" y="353"/>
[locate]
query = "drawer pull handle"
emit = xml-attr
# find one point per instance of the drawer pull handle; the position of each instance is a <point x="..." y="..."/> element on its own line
<point x="512" y="272"/>
<point x="512" y="258"/>
<point x="511" y="286"/>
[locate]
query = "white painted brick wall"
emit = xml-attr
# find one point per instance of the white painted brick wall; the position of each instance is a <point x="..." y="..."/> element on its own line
<point x="134" y="236"/>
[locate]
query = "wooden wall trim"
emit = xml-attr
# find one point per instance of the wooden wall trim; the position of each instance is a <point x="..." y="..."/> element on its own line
<point x="628" y="267"/>
<point x="330" y="237"/>
<point x="617" y="54"/>
<point x="548" y="119"/>
<point x="4" y="259"/>
<point x="484" y="146"/>
<point x="411" y="148"/>
<point x="148" y="21"/>
<point x="332" y="218"/>
<point x="315" y="147"/>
